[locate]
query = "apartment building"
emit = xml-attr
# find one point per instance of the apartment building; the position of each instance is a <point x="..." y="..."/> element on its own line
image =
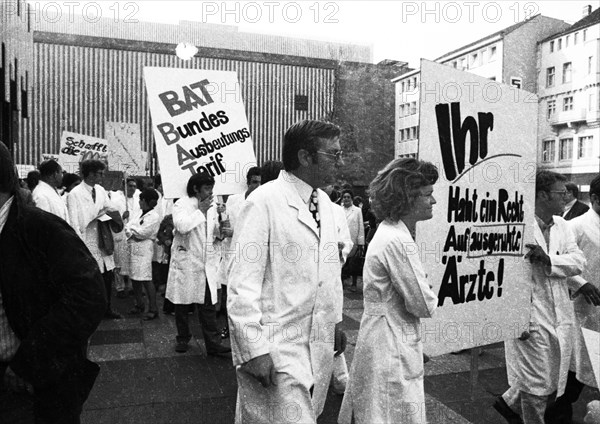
<point x="569" y="110"/>
<point x="507" y="56"/>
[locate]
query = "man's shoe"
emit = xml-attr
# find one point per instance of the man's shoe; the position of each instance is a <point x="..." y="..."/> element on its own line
<point x="503" y="409"/>
<point x="219" y="350"/>
<point x="181" y="347"/>
<point x="112" y="314"/>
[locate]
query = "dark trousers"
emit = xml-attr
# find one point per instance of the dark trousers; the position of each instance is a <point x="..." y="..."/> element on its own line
<point x="160" y="274"/>
<point x="223" y="310"/>
<point x="109" y="277"/>
<point x="561" y="410"/>
<point x="207" y="314"/>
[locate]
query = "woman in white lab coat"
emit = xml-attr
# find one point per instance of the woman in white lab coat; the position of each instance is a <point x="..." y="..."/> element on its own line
<point x="141" y="231"/>
<point x="386" y="377"/>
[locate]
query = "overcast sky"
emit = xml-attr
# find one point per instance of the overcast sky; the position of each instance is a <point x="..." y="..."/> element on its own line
<point x="397" y="30"/>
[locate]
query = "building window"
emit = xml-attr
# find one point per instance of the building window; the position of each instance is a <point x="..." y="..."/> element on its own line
<point x="463" y="64"/>
<point x="575" y="37"/>
<point x="474" y="60"/>
<point x="585" y="147"/>
<point x="559" y="43"/>
<point x="415" y="83"/>
<point x="567" y="41"/>
<point x="566" y="77"/>
<point x="567" y="104"/>
<point x="493" y="78"/>
<point x="566" y="149"/>
<point x="551" y="109"/>
<point x="548" y="151"/>
<point x="413" y="108"/>
<point x="492" y="54"/>
<point x="402" y="87"/>
<point x="551" y="46"/>
<point x="550" y="77"/>
<point x="401" y="135"/>
<point x="590" y="64"/>
<point x="301" y="102"/>
<point x="455" y="64"/>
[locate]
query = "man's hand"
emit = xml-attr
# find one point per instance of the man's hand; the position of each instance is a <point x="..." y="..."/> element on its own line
<point x="339" y="344"/>
<point x="261" y="368"/>
<point x="15" y="383"/>
<point x="590" y="293"/>
<point x="536" y="255"/>
<point x="204" y="205"/>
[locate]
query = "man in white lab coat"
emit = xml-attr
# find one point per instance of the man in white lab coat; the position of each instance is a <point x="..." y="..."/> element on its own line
<point x="87" y="203"/>
<point x="538" y="362"/>
<point x="285" y="299"/>
<point x="586" y="295"/>
<point x="45" y="194"/>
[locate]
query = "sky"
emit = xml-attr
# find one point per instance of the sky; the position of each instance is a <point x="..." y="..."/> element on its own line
<point x="398" y="30"/>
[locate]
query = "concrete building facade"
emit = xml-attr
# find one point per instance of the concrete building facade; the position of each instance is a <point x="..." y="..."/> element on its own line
<point x="569" y="109"/>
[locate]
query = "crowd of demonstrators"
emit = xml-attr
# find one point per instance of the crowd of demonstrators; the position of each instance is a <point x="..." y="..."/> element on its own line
<point x="195" y="249"/>
<point x="45" y="376"/>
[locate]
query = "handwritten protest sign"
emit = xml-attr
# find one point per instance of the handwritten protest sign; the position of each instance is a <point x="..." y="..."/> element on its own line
<point x="125" y="147"/>
<point x="75" y="148"/>
<point x="482" y="136"/>
<point x="199" y="123"/>
<point x="592" y="344"/>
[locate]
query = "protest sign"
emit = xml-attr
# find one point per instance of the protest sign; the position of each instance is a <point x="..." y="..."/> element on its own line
<point x="592" y="344"/>
<point x="199" y="123"/>
<point x="75" y="148"/>
<point x="23" y="170"/>
<point x="125" y="147"/>
<point x="50" y="156"/>
<point x="482" y="137"/>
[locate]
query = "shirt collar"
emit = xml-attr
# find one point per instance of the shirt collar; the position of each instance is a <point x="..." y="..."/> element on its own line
<point x="4" y="210"/>
<point x="570" y="204"/>
<point x="87" y="187"/>
<point x="543" y="225"/>
<point x="303" y="189"/>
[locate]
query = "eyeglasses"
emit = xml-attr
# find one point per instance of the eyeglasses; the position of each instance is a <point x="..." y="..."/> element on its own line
<point x="339" y="155"/>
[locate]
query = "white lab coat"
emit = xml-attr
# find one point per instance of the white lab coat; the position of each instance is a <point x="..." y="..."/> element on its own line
<point x="386" y="377"/>
<point x="540" y="364"/>
<point x="284" y="300"/>
<point x="164" y="208"/>
<point x="355" y="224"/>
<point x="194" y="260"/>
<point x="83" y="213"/>
<point x="48" y="199"/>
<point x="141" y="252"/>
<point x="586" y="229"/>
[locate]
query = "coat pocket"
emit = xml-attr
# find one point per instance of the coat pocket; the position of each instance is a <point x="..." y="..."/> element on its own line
<point x="411" y="357"/>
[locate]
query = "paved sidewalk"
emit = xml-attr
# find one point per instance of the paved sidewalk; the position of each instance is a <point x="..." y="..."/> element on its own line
<point x="144" y="381"/>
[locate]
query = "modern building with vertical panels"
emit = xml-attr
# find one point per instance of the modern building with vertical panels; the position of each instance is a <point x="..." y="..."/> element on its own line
<point x="87" y="74"/>
<point x="16" y="74"/>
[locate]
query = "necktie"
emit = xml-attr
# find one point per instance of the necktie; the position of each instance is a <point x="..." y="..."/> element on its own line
<point x="313" y="207"/>
<point x="94" y="194"/>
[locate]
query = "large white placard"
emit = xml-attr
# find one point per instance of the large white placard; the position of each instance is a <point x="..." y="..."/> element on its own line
<point x="482" y="136"/>
<point x="199" y="123"/>
<point x="75" y="148"/>
<point x="125" y="147"/>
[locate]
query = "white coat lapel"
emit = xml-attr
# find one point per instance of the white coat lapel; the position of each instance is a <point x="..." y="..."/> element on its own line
<point x="539" y="236"/>
<point x="304" y="215"/>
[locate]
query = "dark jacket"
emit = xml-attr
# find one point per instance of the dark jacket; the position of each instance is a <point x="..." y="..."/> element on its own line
<point x="579" y="208"/>
<point x="54" y="298"/>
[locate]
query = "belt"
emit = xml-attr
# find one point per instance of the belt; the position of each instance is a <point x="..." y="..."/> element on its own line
<point x="377" y="308"/>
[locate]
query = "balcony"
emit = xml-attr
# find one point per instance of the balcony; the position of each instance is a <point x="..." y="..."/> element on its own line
<point x="570" y="117"/>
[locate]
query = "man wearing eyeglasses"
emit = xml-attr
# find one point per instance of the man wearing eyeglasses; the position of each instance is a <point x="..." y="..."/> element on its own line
<point x="538" y="362"/>
<point x="285" y="300"/>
